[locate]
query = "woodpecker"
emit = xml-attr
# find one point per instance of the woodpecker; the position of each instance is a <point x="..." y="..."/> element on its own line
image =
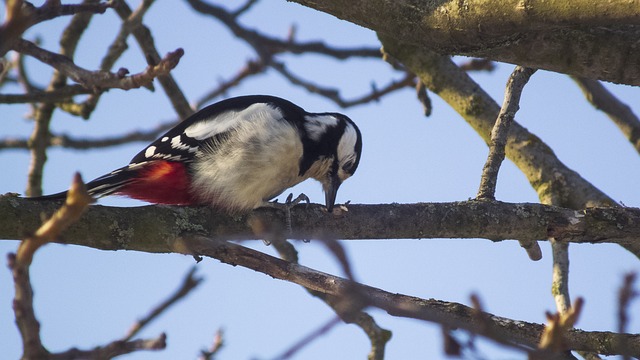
<point x="238" y="154"/>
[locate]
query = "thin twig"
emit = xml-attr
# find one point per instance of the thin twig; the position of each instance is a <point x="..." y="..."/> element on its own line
<point x="260" y="41"/>
<point x="518" y="79"/>
<point x="218" y="343"/>
<point x="560" y="275"/>
<point x="619" y="112"/>
<point x="349" y="310"/>
<point x="113" y="349"/>
<point x="189" y="283"/>
<point x="144" y="38"/>
<point x="334" y="94"/>
<point x="99" y="80"/>
<point x="21" y="16"/>
<point x="114" y="52"/>
<point x="252" y="67"/>
<point x="44" y="112"/>
<point x="45" y="96"/>
<point x="626" y="294"/>
<point x="68" y="142"/>
<point x="306" y="340"/>
<point x="511" y="104"/>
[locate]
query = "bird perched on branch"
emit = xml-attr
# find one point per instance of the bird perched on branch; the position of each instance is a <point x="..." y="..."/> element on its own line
<point x="238" y="154"/>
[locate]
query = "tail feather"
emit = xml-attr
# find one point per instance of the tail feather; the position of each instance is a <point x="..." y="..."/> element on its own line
<point x="104" y="185"/>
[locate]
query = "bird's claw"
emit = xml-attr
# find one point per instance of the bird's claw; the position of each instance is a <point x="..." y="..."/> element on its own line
<point x="291" y="202"/>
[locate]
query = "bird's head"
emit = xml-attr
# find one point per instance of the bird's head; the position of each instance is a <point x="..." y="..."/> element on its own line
<point x="336" y="145"/>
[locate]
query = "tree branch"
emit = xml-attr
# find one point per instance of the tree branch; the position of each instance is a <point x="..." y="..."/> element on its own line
<point x="189" y="283"/>
<point x="619" y="112"/>
<point x="585" y="38"/>
<point x="76" y="203"/>
<point x="44" y="112"/>
<point x="21" y="16"/>
<point x="147" y="44"/>
<point x="451" y="314"/>
<point x="553" y="180"/>
<point x="518" y="79"/>
<point x="489" y="180"/>
<point x="98" y="80"/>
<point x="334" y="95"/>
<point x="140" y="228"/>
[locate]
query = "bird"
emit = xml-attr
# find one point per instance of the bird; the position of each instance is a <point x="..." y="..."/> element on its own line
<point x="237" y="155"/>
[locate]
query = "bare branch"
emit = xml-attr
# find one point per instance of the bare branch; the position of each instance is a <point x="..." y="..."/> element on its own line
<point x="478" y="65"/>
<point x="554" y="336"/>
<point x="252" y="67"/>
<point x="66" y="141"/>
<point x="423" y="97"/>
<point x="43" y="113"/>
<point x="263" y="43"/>
<point x="619" y="112"/>
<point x="561" y="223"/>
<point x="450" y="314"/>
<point x="470" y="220"/>
<point x="146" y="42"/>
<point x="21" y="16"/>
<point x="585" y="38"/>
<point x="218" y="343"/>
<point x="348" y="307"/>
<point x="560" y="275"/>
<point x="291" y="352"/>
<point x="23" y="308"/>
<point x="511" y="104"/>
<point x="114" y="52"/>
<point x="550" y="177"/>
<point x="99" y="80"/>
<point x="76" y="203"/>
<point x="626" y="295"/>
<point x="113" y="349"/>
<point x="47" y="96"/>
<point x="518" y="79"/>
<point x="189" y="283"/>
<point x="334" y="94"/>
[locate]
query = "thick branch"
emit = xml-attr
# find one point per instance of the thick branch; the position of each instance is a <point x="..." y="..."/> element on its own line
<point x="583" y="38"/>
<point x="554" y="182"/>
<point x="146" y="228"/>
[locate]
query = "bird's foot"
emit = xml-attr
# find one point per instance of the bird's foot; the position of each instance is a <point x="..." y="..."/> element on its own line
<point x="286" y="207"/>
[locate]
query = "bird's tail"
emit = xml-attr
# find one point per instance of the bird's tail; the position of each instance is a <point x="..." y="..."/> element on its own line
<point x="107" y="184"/>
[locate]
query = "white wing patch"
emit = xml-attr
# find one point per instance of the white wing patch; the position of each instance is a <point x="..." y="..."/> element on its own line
<point x="316" y="125"/>
<point x="151" y="150"/>
<point x="176" y="143"/>
<point x="231" y="119"/>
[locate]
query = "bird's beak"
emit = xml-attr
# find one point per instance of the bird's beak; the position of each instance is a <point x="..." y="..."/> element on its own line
<point x="330" y="191"/>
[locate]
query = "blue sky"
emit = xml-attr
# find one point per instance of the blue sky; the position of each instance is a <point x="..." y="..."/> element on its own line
<point x="86" y="297"/>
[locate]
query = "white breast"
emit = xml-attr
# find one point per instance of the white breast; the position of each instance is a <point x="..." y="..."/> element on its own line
<point x="257" y="161"/>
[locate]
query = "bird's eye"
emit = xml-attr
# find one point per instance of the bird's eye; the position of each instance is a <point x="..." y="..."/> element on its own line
<point x="348" y="166"/>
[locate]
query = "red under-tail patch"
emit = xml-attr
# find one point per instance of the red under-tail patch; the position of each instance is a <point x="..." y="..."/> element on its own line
<point x="161" y="182"/>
